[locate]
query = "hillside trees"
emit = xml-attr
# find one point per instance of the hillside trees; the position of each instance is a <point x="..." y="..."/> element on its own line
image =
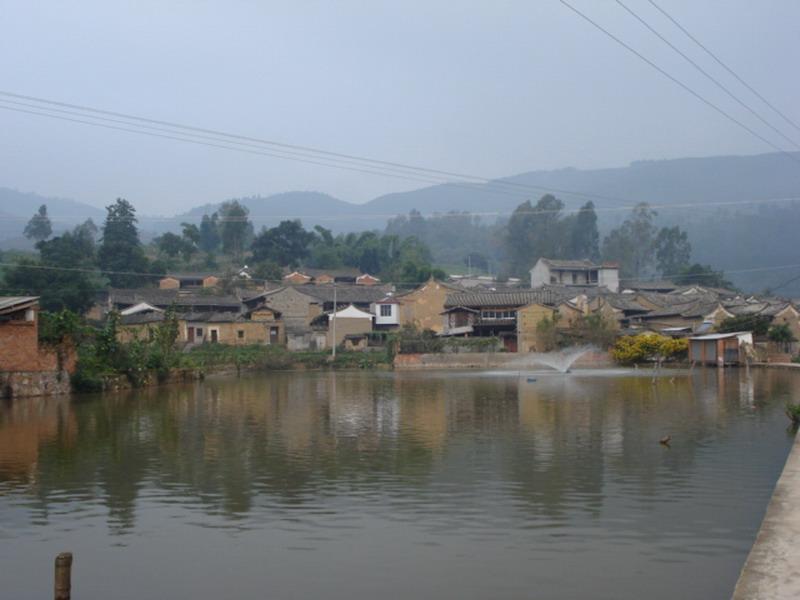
<point x="39" y="227"/>
<point x="62" y="276"/>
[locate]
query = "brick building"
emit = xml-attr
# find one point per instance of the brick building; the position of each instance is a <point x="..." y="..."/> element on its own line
<point x="28" y="368"/>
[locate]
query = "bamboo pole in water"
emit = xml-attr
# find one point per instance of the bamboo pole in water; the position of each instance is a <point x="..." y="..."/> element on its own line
<point x="63" y="585"/>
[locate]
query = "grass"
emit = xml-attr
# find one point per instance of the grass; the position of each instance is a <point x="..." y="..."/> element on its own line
<point x="273" y="358"/>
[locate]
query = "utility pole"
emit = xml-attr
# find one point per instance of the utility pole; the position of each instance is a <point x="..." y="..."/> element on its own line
<point x="333" y="326"/>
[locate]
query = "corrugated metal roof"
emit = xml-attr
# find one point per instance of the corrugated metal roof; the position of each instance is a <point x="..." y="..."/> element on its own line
<point x="11" y="303"/>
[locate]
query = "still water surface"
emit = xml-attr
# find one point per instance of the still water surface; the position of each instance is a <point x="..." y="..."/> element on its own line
<point x="393" y="485"/>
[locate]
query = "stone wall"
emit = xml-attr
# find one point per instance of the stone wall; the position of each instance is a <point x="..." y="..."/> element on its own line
<point x="24" y="384"/>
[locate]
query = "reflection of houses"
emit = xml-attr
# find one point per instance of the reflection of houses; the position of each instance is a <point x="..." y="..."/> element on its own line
<point x="549" y="271"/>
<point x="720" y="349"/>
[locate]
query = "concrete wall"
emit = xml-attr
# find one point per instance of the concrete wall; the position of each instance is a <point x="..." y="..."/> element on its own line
<point x="489" y="360"/>
<point x="540" y="274"/>
<point x="609" y="278"/>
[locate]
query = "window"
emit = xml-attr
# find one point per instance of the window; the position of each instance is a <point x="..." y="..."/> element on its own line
<point x="240" y="334"/>
<point x="386" y="310"/>
<point x="198" y="332"/>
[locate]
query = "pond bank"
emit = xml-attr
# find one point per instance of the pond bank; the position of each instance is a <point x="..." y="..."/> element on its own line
<point x="772" y="569"/>
<point x="490" y="360"/>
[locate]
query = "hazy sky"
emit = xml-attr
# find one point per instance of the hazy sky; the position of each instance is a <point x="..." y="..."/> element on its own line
<point x="492" y="88"/>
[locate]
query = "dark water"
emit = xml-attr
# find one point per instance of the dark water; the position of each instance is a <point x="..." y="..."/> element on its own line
<point x="389" y="485"/>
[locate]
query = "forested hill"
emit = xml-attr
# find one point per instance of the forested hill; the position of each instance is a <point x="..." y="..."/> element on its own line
<point x="678" y="181"/>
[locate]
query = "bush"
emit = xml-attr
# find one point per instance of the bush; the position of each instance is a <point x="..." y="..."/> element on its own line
<point x="632" y="349"/>
<point x="793" y="412"/>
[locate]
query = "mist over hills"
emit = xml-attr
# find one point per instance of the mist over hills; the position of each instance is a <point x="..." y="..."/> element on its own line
<point x="739" y="234"/>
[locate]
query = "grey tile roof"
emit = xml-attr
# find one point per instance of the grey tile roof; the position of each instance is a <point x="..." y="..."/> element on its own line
<point x="501" y="299"/>
<point x="165" y="298"/>
<point x="353" y="294"/>
<point x="570" y="264"/>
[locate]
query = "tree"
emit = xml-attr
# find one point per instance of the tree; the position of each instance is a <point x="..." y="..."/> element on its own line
<point x="61" y="276"/>
<point x="121" y="255"/>
<point x="585" y="239"/>
<point x="39" y="228"/>
<point x="170" y="244"/>
<point x="534" y="232"/>
<point x="703" y="275"/>
<point x="234" y="228"/>
<point x="286" y="244"/>
<point x="209" y="233"/>
<point x="673" y="251"/>
<point x="632" y="244"/>
<point x="191" y="240"/>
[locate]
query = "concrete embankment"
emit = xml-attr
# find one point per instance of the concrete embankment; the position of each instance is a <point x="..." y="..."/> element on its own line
<point x="491" y="360"/>
<point x="772" y="570"/>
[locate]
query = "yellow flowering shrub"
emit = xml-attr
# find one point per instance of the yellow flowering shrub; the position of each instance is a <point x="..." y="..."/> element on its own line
<point x="632" y="349"/>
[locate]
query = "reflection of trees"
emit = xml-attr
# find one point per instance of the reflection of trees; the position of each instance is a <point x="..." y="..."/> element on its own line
<point x="226" y="446"/>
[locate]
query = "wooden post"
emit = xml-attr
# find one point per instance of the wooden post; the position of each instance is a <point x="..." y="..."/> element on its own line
<point x="63" y="576"/>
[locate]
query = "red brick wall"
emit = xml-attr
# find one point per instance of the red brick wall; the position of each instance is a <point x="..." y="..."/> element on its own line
<point x="20" y="350"/>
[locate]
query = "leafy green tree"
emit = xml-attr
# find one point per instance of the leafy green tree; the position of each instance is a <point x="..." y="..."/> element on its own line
<point x="190" y="234"/>
<point x="286" y="244"/>
<point x="703" y="275"/>
<point x="267" y="270"/>
<point x="534" y="232"/>
<point x="673" y="251"/>
<point x="584" y="241"/>
<point x="781" y="334"/>
<point x="121" y="254"/>
<point x="209" y="239"/>
<point x="39" y="227"/>
<point x="758" y="324"/>
<point x="234" y="228"/>
<point x="61" y="276"/>
<point x="170" y="244"/>
<point x="632" y="244"/>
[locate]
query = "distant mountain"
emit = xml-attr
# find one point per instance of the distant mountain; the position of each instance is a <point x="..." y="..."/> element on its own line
<point x="16" y="208"/>
<point x="678" y="181"/>
<point x="662" y="182"/>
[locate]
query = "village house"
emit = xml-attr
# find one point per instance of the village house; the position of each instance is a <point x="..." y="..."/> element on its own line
<point x="386" y="312"/>
<point x="495" y="314"/>
<point x="721" y="349"/>
<point x="422" y="307"/>
<point x="188" y="280"/>
<point x="549" y="271"/>
<point x="27" y="368"/>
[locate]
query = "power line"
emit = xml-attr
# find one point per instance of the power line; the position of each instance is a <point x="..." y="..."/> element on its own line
<point x="437" y="215"/>
<point x="435" y="174"/>
<point x="677" y="81"/>
<point x="724" y="66"/>
<point x="707" y="74"/>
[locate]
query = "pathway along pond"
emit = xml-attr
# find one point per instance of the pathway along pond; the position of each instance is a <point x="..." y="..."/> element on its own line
<point x="395" y="485"/>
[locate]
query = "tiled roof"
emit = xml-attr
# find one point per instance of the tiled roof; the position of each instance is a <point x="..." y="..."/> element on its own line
<point x="501" y="299"/>
<point x="165" y="298"/>
<point x="354" y="294"/>
<point x="570" y="264"/>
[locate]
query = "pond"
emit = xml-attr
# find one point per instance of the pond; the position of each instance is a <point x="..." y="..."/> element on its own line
<point x="395" y="485"/>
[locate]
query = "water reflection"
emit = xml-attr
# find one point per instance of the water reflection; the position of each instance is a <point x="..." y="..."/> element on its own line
<point x="485" y="459"/>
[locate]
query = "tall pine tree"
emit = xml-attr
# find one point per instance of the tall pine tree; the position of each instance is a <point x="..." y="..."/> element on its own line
<point x="121" y="254"/>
